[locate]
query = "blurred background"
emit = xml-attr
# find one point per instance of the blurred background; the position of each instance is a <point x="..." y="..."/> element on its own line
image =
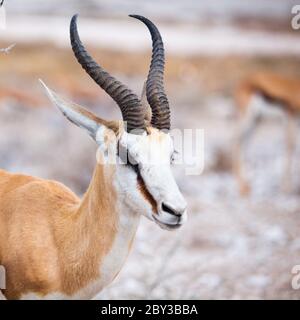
<point x="232" y="247"/>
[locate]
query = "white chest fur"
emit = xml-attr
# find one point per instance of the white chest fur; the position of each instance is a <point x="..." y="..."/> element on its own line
<point x="115" y="259"/>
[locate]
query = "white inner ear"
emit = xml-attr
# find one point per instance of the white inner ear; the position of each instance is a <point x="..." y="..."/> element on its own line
<point x="72" y="112"/>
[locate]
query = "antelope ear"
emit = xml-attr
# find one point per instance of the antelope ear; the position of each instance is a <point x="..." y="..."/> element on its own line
<point x="79" y="115"/>
<point x="145" y="104"/>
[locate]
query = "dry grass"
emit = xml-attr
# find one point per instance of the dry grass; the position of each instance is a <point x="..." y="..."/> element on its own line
<point x="198" y="76"/>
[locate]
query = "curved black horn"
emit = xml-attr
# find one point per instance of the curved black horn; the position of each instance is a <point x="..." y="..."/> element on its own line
<point x="155" y="82"/>
<point x="129" y="103"/>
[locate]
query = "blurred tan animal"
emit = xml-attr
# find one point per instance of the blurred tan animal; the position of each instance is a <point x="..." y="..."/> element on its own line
<point x="21" y="97"/>
<point x="54" y="245"/>
<point x="260" y="95"/>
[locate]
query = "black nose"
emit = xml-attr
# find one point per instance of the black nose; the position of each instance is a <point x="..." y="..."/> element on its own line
<point x="167" y="208"/>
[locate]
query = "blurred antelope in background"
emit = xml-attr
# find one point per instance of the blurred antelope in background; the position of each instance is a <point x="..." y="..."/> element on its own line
<point x="19" y="96"/>
<point x="260" y="95"/>
<point x="54" y="245"/>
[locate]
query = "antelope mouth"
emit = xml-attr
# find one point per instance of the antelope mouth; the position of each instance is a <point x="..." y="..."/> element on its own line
<point x="166" y="226"/>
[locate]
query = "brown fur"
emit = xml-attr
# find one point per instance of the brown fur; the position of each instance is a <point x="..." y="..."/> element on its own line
<point x="274" y="87"/>
<point x="57" y="244"/>
<point x="116" y="126"/>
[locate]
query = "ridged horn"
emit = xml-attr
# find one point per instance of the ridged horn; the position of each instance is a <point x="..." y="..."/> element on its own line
<point x="129" y="103"/>
<point x="156" y="96"/>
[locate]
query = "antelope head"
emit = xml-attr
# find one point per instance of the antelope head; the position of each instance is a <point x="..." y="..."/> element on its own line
<point x="141" y="143"/>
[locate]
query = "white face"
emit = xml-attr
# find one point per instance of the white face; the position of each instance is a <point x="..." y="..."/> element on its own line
<point x="148" y="187"/>
<point x="155" y="192"/>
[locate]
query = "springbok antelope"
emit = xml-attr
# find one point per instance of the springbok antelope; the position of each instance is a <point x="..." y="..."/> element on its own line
<point x="54" y="245"/>
<point x="260" y="95"/>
